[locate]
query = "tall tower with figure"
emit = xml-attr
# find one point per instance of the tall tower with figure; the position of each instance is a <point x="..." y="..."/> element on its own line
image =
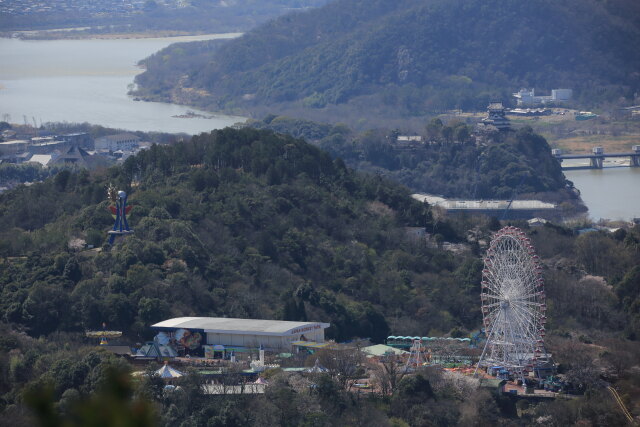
<point x="119" y="210"/>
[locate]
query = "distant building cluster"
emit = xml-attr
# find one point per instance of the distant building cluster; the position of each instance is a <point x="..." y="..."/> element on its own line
<point x="529" y="97"/>
<point x="496" y="120"/>
<point x="69" y="149"/>
<point x="632" y="112"/>
<point x="95" y="8"/>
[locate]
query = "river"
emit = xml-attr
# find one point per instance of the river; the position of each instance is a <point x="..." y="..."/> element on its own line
<point x="87" y="81"/>
<point x="609" y="193"/>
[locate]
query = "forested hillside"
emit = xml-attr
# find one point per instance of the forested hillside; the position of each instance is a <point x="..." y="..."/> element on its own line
<point x="454" y="162"/>
<point x="242" y="224"/>
<point x="415" y="57"/>
<point x="254" y="224"/>
<point x="248" y="223"/>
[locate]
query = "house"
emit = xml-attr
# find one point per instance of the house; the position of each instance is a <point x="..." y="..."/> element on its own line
<point x="13" y="147"/>
<point x="16" y="158"/>
<point x="74" y="155"/>
<point x="43" y="159"/>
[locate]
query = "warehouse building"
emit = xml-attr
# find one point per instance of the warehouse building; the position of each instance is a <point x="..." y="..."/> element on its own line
<point x="238" y="334"/>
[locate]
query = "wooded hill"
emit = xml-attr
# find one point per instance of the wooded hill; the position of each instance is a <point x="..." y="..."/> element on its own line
<point x="413" y="57"/>
<point x="246" y="223"/>
<point x="451" y="162"/>
<point x="254" y="224"/>
<point x="236" y="223"/>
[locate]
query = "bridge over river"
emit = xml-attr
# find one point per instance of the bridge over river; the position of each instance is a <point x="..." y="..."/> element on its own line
<point x="597" y="156"/>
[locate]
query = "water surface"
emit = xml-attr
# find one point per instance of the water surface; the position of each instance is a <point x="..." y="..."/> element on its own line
<point x="87" y="81"/>
<point x="609" y="193"/>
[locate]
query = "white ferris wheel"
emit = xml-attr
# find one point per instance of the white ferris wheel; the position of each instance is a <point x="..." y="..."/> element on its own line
<point x="513" y="304"/>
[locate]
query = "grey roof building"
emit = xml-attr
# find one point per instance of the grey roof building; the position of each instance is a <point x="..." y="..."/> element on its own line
<point x="273" y="334"/>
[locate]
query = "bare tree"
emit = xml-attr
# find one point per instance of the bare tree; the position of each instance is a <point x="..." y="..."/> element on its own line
<point x="342" y="362"/>
<point x="620" y="356"/>
<point x="387" y="373"/>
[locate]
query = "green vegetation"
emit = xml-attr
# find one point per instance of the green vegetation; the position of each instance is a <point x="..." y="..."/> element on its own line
<point x="411" y="57"/>
<point x="224" y="216"/>
<point x="11" y="172"/>
<point x="454" y="167"/>
<point x="251" y="223"/>
<point x="452" y="163"/>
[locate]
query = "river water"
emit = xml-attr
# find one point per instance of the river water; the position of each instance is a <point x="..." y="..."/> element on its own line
<point x="609" y="193"/>
<point x="87" y="81"/>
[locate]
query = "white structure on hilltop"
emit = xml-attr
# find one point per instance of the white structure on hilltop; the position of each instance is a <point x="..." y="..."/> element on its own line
<point x="496" y="116"/>
<point x="529" y="97"/>
<point x="122" y="141"/>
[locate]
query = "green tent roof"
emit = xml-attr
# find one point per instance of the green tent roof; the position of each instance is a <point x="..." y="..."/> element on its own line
<point x="381" y="349"/>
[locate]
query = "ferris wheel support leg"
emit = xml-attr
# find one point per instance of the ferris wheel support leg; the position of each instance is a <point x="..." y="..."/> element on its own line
<point x="484" y="350"/>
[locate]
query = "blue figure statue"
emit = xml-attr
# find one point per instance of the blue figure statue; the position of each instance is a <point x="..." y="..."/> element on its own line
<point x="119" y="212"/>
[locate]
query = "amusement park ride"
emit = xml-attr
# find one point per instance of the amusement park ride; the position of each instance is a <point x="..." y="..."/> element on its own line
<point x="417" y="356"/>
<point x="119" y="212"/>
<point x="513" y="305"/>
<point x="103" y="335"/>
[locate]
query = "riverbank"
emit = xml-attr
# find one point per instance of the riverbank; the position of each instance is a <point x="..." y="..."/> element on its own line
<point x="583" y="144"/>
<point x="608" y="193"/>
<point x="88" y="34"/>
<point x="87" y="81"/>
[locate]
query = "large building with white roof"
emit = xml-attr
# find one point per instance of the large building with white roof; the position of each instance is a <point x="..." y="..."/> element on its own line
<point x="121" y="141"/>
<point x="230" y="333"/>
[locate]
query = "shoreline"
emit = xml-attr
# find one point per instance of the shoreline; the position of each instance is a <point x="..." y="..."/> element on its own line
<point x="73" y="34"/>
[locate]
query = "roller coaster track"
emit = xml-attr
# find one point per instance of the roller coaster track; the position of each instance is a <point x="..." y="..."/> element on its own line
<point x="624" y="409"/>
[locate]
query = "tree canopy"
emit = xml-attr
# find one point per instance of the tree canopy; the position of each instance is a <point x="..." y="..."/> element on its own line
<point x="415" y="57"/>
<point x="242" y="223"/>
